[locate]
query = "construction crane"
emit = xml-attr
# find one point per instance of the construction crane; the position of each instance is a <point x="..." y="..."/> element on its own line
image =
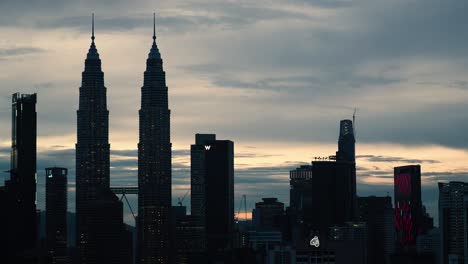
<point x="243" y="202"/>
<point x="183" y="197"/>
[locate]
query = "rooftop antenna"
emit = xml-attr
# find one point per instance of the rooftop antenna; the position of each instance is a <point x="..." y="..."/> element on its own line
<point x="354" y="122"/>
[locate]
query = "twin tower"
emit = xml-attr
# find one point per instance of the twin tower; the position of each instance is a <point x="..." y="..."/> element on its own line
<point x="101" y="233"/>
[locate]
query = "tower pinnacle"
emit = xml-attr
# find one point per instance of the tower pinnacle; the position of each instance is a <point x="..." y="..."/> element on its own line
<point x="92" y="28"/>
<point x="154" y="26"/>
<point x="154" y="52"/>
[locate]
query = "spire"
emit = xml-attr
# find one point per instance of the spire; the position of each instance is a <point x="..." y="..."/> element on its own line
<point x="154" y="52"/>
<point x="92" y="53"/>
<point x="92" y="28"/>
<point x="154" y="27"/>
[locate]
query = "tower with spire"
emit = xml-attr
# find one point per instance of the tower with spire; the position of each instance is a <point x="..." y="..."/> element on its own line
<point x="100" y="228"/>
<point x="154" y="163"/>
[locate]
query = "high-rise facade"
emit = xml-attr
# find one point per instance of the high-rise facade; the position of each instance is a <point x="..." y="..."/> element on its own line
<point x="377" y="213"/>
<point x="198" y="177"/>
<point x="327" y="186"/>
<point x="333" y="196"/>
<point x="301" y="187"/>
<point x="56" y="214"/>
<point x="20" y="189"/>
<point x="346" y="142"/>
<point x="213" y="182"/>
<point x="99" y="225"/>
<point x="453" y="217"/>
<point x="408" y="206"/>
<point x="154" y="164"/>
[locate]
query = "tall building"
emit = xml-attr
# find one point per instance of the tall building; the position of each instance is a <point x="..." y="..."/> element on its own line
<point x="453" y="214"/>
<point x="20" y="189"/>
<point x="213" y="167"/>
<point x="56" y="214"/>
<point x="198" y="177"/>
<point x="154" y="164"/>
<point x="301" y="187"/>
<point x="99" y="225"/>
<point x="346" y="142"/>
<point x="408" y="206"/>
<point x="377" y="213"/>
<point x="333" y="196"/>
<point x="327" y="186"/>
<point x="267" y="214"/>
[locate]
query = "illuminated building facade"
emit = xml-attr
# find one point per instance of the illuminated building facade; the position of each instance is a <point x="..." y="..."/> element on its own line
<point x="408" y="205"/>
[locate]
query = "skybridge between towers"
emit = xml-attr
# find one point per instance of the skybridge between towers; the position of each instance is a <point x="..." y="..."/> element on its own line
<point x="124" y="190"/>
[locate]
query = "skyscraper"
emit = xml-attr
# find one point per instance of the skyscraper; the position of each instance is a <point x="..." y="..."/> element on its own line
<point x="377" y="213"/>
<point x="154" y="164"/>
<point x="333" y="195"/>
<point x="198" y="177"/>
<point x="408" y="206"/>
<point x="213" y="183"/>
<point x="21" y="231"/>
<point x="327" y="186"/>
<point x="453" y="217"/>
<point x="301" y="187"/>
<point x="100" y="228"/>
<point x="56" y="214"/>
<point x="346" y="141"/>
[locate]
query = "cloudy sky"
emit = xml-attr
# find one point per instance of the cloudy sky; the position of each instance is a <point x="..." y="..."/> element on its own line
<point x="273" y="76"/>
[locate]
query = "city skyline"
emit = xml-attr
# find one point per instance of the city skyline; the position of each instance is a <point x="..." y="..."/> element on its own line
<point x="281" y="149"/>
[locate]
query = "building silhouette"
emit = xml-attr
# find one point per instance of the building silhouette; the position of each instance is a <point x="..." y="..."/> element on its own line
<point x="300" y="188"/>
<point x="267" y="214"/>
<point x="154" y="164"/>
<point x="453" y="218"/>
<point x="377" y="213"/>
<point x="19" y="192"/>
<point x="333" y="196"/>
<point x="213" y="174"/>
<point x="56" y="214"/>
<point x="99" y="226"/>
<point x="346" y="142"/>
<point x="198" y="177"/>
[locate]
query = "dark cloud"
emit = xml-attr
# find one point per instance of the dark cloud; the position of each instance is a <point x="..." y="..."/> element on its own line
<point x="380" y="158"/>
<point x="10" y="52"/>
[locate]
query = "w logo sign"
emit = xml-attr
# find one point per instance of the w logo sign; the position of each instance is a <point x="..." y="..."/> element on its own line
<point x="207" y="147"/>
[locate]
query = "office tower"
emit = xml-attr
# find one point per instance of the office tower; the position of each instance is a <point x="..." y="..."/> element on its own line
<point x="333" y="195"/>
<point x="99" y="225"/>
<point x="377" y="213"/>
<point x="108" y="240"/>
<point x="267" y="214"/>
<point x="408" y="206"/>
<point x="346" y="142"/>
<point x="213" y="182"/>
<point x="327" y="186"/>
<point x="187" y="238"/>
<point x="452" y="221"/>
<point x="429" y="245"/>
<point x="301" y="187"/>
<point x="20" y="189"/>
<point x="154" y="164"/>
<point x="56" y="214"/>
<point x="198" y="177"/>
